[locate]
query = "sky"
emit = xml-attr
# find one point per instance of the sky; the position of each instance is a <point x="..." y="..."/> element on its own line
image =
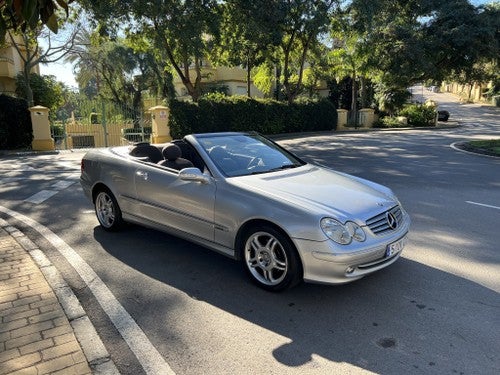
<point x="64" y="71"/>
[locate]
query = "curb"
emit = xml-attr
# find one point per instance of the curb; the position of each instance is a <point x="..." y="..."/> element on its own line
<point x="459" y="146"/>
<point x="97" y="356"/>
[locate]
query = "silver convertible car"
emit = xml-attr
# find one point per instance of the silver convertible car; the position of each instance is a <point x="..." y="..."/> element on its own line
<point x="246" y="197"/>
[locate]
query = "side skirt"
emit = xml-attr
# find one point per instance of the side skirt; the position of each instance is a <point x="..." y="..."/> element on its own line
<point x="175" y="232"/>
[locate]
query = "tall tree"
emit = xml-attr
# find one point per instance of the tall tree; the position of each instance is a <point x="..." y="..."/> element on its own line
<point x="120" y="69"/>
<point x="181" y="28"/>
<point x="30" y="52"/>
<point x="248" y="34"/>
<point x="302" y="25"/>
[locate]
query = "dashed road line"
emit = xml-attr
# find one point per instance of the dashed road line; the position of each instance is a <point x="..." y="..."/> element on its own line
<point x="483" y="205"/>
<point x="41" y="196"/>
<point x="148" y="356"/>
<point x="60" y="185"/>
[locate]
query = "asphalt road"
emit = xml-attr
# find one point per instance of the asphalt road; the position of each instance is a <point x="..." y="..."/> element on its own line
<point x="436" y="310"/>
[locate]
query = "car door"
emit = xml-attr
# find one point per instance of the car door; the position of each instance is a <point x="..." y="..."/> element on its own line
<point x="165" y="199"/>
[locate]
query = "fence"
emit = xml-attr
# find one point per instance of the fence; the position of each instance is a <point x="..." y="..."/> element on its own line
<point x="112" y="125"/>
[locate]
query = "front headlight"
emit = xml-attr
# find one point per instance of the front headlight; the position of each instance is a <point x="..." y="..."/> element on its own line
<point x="342" y="233"/>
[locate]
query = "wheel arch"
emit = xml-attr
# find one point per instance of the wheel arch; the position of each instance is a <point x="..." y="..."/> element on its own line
<point x="97" y="188"/>
<point x="240" y="236"/>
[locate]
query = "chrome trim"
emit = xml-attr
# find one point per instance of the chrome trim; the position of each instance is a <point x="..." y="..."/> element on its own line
<point x="386" y="221"/>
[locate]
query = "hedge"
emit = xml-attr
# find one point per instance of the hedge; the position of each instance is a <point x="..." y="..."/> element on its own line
<point x="419" y="115"/>
<point x="15" y="123"/>
<point x="217" y="113"/>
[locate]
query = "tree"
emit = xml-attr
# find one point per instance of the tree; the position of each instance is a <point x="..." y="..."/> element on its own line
<point x="304" y="21"/>
<point x="349" y="57"/>
<point x="182" y="29"/>
<point x="31" y="54"/>
<point x="117" y="69"/>
<point x="248" y="34"/>
<point x="46" y="90"/>
<point x="25" y="15"/>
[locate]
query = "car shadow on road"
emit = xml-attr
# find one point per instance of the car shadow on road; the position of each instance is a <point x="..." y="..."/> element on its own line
<point x="408" y="318"/>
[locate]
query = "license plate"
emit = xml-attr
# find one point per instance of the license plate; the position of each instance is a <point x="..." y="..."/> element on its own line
<point x="395" y="247"/>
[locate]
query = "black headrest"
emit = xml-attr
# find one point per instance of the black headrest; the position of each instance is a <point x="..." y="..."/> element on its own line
<point x="171" y="152"/>
<point x="146" y="150"/>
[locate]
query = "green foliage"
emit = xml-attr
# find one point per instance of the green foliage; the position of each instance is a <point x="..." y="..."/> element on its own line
<point x="46" y="91"/>
<point x="390" y="122"/>
<point x="57" y="129"/>
<point x="490" y="146"/>
<point x="419" y="115"/>
<point x="391" y="99"/>
<point x="15" y="123"/>
<point x="27" y="14"/>
<point x="215" y="113"/>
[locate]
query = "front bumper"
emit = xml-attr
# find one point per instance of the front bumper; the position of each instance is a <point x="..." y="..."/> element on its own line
<point x="329" y="263"/>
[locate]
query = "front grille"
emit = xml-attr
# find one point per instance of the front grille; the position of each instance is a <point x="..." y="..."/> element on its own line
<point x="386" y="221"/>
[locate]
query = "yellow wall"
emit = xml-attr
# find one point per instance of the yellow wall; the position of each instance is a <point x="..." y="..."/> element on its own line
<point x="77" y="133"/>
<point x="233" y="77"/>
<point x="463" y="91"/>
<point x="10" y="65"/>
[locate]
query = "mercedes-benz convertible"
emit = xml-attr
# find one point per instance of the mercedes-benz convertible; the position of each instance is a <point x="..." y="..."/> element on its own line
<point x="246" y="197"/>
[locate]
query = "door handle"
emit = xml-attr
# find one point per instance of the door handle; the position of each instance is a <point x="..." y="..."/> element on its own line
<point x="143" y="175"/>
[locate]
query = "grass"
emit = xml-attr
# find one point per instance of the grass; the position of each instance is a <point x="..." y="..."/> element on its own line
<point x="490" y="146"/>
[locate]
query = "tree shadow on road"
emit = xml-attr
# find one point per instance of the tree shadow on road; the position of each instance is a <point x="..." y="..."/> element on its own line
<point x="409" y="318"/>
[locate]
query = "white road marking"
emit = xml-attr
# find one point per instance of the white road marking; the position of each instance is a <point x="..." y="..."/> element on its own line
<point x="8" y="180"/>
<point x="483" y="205"/>
<point x="60" y="185"/>
<point x="41" y="196"/>
<point x="149" y="358"/>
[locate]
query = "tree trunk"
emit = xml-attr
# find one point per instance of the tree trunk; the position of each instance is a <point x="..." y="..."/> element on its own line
<point x="278" y="82"/>
<point x="362" y="92"/>
<point x="29" y="91"/>
<point x="249" y="68"/>
<point x="354" y="101"/>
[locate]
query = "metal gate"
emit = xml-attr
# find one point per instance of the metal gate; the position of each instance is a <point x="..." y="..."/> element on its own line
<point x="101" y="124"/>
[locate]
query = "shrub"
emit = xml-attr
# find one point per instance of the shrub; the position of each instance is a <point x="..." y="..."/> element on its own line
<point x="390" y="122"/>
<point x="216" y="113"/>
<point x="419" y="115"/>
<point x="15" y="123"/>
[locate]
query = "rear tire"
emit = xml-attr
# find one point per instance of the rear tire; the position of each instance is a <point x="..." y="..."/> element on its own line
<point x="270" y="259"/>
<point x="107" y="211"/>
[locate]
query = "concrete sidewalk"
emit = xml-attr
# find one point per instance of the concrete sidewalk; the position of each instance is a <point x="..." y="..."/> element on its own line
<point x="43" y="328"/>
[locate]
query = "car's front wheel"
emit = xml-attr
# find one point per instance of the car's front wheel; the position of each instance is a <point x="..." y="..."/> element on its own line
<point x="107" y="211"/>
<point x="271" y="259"/>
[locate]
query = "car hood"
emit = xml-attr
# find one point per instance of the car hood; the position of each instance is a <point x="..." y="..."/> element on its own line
<point x="322" y="191"/>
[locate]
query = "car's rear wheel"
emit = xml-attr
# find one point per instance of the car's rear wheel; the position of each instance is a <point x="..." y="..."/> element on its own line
<point x="271" y="259"/>
<point x="107" y="211"/>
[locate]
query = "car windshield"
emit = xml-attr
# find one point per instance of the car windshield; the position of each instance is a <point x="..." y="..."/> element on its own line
<point x="246" y="154"/>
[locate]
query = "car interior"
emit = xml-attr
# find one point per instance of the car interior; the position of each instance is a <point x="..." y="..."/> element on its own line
<point x="176" y="154"/>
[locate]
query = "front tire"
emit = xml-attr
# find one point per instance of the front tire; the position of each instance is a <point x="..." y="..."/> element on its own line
<point x="270" y="259"/>
<point x="107" y="211"/>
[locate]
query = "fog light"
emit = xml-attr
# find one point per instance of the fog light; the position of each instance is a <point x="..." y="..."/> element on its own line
<point x="349" y="270"/>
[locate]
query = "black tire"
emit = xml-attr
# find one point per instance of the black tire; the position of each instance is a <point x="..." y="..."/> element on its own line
<point x="107" y="211"/>
<point x="270" y="259"/>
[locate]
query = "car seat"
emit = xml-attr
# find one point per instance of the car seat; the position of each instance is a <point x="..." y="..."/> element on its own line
<point x="146" y="152"/>
<point x="172" y="158"/>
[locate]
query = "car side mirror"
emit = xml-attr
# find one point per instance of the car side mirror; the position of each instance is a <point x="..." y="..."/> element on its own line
<point x="193" y="174"/>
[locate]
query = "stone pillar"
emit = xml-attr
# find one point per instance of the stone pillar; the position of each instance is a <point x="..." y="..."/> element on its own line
<point x="366" y="117"/>
<point x="42" y="141"/>
<point x="160" y="128"/>
<point x="342" y="118"/>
